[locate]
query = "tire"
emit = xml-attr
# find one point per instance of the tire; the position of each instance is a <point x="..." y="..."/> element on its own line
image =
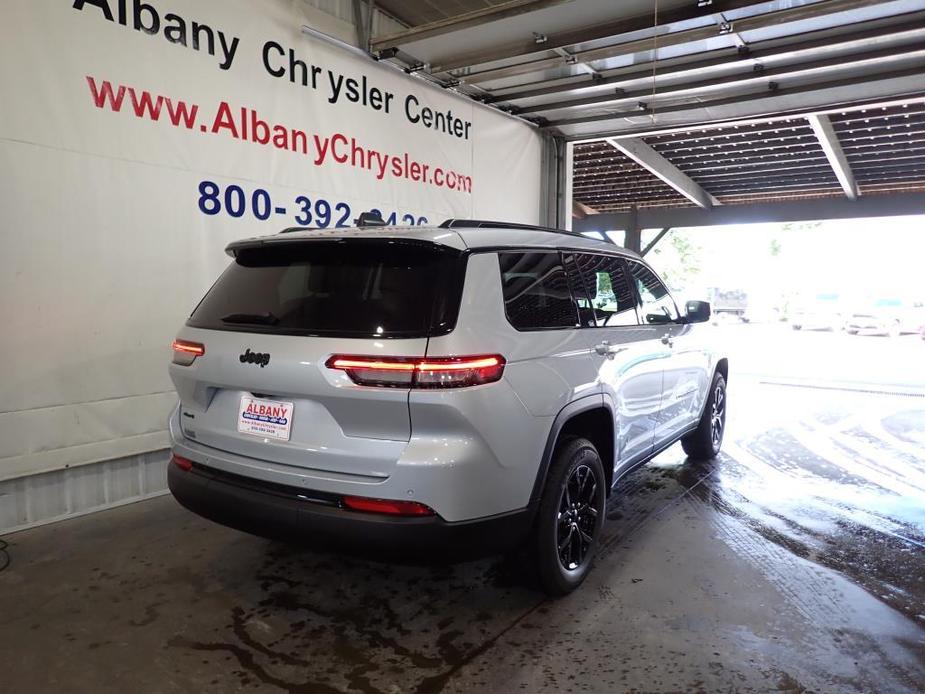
<point x="567" y="528"/>
<point x="705" y="441"/>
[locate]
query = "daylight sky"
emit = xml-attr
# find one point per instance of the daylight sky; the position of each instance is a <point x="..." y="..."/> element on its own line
<point x="855" y="257"/>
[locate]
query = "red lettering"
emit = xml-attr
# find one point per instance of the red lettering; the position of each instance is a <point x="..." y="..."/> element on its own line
<point x="224" y="119"/>
<point x="145" y="105"/>
<point x="104" y="95"/>
<point x="244" y="123"/>
<point x="181" y="114"/>
<point x="340" y="159"/>
<point x="260" y="131"/>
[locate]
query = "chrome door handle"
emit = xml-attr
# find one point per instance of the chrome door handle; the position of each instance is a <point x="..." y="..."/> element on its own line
<point x="666" y="340"/>
<point x="603" y="349"/>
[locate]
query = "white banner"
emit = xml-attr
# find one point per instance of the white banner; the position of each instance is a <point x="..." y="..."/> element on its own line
<point x="138" y="138"/>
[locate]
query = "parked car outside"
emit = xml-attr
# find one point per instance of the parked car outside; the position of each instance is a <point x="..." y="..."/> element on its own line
<point x="887" y="316"/>
<point x="424" y="390"/>
<point x="822" y="311"/>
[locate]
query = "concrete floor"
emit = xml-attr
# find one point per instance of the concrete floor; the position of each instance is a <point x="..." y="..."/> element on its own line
<point x="795" y="562"/>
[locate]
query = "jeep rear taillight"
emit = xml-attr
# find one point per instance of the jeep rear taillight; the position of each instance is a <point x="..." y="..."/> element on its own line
<point x="185" y="352"/>
<point x="409" y="372"/>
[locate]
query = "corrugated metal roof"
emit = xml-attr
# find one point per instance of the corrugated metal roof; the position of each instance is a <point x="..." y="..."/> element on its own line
<point x="709" y="85"/>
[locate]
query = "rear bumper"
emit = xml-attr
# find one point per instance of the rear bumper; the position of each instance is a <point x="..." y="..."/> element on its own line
<point x="318" y="519"/>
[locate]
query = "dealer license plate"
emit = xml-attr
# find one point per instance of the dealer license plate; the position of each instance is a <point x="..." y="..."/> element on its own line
<point x="265" y="418"/>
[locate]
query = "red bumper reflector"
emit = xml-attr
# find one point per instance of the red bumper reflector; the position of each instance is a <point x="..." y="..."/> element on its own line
<point x="411" y="372"/>
<point x="183" y="463"/>
<point x="387" y="506"/>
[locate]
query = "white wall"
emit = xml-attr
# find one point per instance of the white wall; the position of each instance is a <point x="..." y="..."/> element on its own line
<point x="105" y="247"/>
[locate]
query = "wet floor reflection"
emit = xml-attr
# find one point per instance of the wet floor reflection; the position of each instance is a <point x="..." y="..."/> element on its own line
<point x="779" y="496"/>
<point x="841" y="484"/>
<point x="795" y="560"/>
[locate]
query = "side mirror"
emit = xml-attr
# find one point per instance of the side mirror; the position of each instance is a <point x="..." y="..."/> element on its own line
<point x="697" y="311"/>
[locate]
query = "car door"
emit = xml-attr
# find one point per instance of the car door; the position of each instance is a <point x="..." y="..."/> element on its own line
<point x="685" y="377"/>
<point x="627" y="354"/>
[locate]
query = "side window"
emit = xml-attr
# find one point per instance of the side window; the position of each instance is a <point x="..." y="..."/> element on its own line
<point x="579" y="293"/>
<point x="657" y="304"/>
<point x="609" y="290"/>
<point x="536" y="291"/>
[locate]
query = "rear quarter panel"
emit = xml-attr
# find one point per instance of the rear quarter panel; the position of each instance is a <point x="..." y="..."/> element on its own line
<point x="508" y="421"/>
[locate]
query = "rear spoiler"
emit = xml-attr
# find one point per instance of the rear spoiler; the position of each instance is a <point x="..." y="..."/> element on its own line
<point x="331" y="235"/>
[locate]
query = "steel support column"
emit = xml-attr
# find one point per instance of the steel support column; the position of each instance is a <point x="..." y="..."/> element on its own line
<point x="565" y="168"/>
<point x="633" y="238"/>
<point x="549" y="177"/>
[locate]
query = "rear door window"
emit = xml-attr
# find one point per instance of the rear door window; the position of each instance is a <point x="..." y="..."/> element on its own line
<point x="611" y="295"/>
<point x="356" y="288"/>
<point x="536" y="291"/>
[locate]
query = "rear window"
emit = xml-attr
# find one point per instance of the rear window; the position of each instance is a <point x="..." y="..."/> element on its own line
<point x="356" y="288"/>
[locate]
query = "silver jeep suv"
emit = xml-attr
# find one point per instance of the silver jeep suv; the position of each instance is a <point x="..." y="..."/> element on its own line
<point x="474" y="386"/>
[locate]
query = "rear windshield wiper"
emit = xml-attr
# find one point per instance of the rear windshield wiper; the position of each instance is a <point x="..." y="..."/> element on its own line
<point x="252" y="318"/>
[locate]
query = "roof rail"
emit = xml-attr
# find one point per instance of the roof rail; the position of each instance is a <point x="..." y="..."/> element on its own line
<point x="490" y="224"/>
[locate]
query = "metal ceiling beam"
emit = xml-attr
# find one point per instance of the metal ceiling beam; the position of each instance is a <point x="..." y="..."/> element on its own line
<point x="764" y="84"/>
<point x="759" y="52"/>
<point x="865" y="56"/>
<point x="666" y="39"/>
<point x="725" y="160"/>
<point x="785" y="170"/>
<point x="695" y="136"/>
<point x="768" y="119"/>
<point x="648" y="158"/>
<point x="628" y="48"/>
<point x="619" y="187"/>
<point x="600" y="31"/>
<point x="917" y="93"/>
<point x="828" y="140"/>
<point x="887" y="161"/>
<point x="462" y="21"/>
<point x="637" y="71"/>
<point x="907" y="137"/>
<point x="896" y="205"/>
